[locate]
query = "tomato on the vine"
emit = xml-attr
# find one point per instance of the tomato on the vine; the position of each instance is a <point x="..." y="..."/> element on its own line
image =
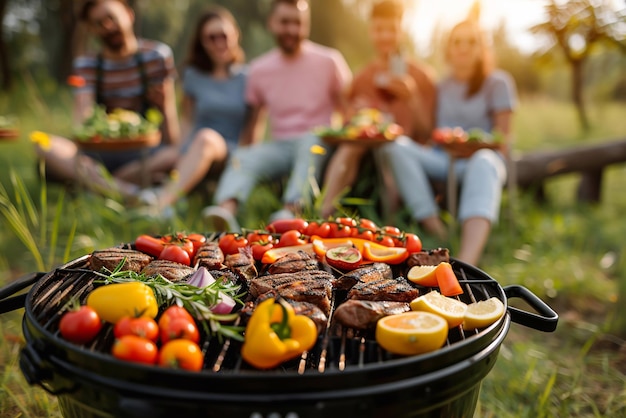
<point x="395" y="234"/>
<point x="338" y="230"/>
<point x="173" y="312"/>
<point x="363" y="234"/>
<point x="180" y="328"/>
<point x="135" y="349"/>
<point x="80" y="325"/>
<point x="412" y="243"/>
<point x="181" y="354"/>
<point x="142" y="327"/>
<point x="321" y="230"/>
<point x="259" y="237"/>
<point x="175" y="253"/>
<point x="385" y="240"/>
<point x="347" y="221"/>
<point x="281" y="226"/>
<point x="258" y="250"/>
<point x="231" y="243"/>
<point x="149" y="245"/>
<point x="290" y="238"/>
<point x="367" y="224"/>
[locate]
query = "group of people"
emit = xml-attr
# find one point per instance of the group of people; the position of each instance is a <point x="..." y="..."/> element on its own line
<point x="295" y="87"/>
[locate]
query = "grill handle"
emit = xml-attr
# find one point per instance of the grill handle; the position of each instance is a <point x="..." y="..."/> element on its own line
<point x="545" y="319"/>
<point x="7" y="303"/>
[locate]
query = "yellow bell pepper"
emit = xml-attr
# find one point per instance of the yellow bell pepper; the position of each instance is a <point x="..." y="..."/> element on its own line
<point x="275" y="334"/>
<point x="114" y="301"/>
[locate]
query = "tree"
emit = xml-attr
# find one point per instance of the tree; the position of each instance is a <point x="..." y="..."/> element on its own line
<point x="575" y="28"/>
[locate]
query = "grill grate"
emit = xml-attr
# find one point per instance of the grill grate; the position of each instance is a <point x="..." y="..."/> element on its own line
<point x="338" y="348"/>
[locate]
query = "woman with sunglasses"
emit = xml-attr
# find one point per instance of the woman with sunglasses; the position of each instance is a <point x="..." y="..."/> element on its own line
<point x="213" y="108"/>
<point x="474" y="95"/>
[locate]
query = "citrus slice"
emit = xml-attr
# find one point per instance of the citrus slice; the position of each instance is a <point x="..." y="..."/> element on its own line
<point x="452" y="310"/>
<point x="483" y="313"/>
<point x="423" y="275"/>
<point x="411" y="333"/>
<point x="274" y="254"/>
<point x="381" y="254"/>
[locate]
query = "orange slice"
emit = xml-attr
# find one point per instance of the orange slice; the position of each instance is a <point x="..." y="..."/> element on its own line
<point x="452" y="310"/>
<point x="382" y="254"/>
<point x="483" y="313"/>
<point x="411" y="333"/>
<point x="423" y="275"/>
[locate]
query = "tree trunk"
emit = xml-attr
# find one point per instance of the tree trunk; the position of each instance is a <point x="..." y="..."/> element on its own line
<point x="5" y="68"/>
<point x="577" y="93"/>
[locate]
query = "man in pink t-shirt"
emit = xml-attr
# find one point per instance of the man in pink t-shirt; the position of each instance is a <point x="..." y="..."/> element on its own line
<point x="295" y="87"/>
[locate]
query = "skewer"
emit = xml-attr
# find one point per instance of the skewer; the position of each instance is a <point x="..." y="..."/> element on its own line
<point x="342" y="350"/>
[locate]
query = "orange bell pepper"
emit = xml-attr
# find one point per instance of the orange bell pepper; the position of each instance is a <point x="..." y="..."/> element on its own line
<point x="381" y="254"/>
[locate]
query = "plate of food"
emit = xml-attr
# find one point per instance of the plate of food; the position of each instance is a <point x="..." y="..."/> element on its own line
<point x="462" y="144"/>
<point x="8" y="128"/>
<point x="119" y="130"/>
<point x="367" y="128"/>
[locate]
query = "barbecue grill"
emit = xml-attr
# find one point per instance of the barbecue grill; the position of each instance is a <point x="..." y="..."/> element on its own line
<point x="345" y="373"/>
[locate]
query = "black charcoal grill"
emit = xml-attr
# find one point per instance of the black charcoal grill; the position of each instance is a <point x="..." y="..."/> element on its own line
<point x="345" y="373"/>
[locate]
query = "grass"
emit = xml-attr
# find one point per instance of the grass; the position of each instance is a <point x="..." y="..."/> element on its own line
<point x="568" y="254"/>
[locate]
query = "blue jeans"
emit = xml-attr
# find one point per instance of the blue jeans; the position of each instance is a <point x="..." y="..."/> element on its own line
<point x="270" y="161"/>
<point x="481" y="178"/>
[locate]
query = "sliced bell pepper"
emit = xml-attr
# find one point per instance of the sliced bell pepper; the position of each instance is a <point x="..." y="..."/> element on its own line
<point x="321" y="245"/>
<point x="275" y="253"/>
<point x="382" y="254"/>
<point x="275" y="334"/>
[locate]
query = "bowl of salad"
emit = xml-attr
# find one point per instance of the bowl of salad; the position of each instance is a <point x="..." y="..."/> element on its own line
<point x="462" y="144"/>
<point x="368" y="127"/>
<point x="119" y="129"/>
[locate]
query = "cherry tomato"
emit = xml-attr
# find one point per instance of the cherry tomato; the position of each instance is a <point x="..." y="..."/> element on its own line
<point x="365" y="223"/>
<point x="412" y="243"/>
<point x="175" y="253"/>
<point x="135" y="349"/>
<point x="180" y="328"/>
<point x="321" y="230"/>
<point x="290" y="238"/>
<point x="259" y="249"/>
<point x="346" y="221"/>
<point x="149" y="245"/>
<point x="385" y="240"/>
<point x="363" y="234"/>
<point x="173" y="312"/>
<point x="197" y="240"/>
<point x="340" y="231"/>
<point x="395" y="234"/>
<point x="231" y="243"/>
<point x="80" y="325"/>
<point x="259" y="237"/>
<point x="181" y="354"/>
<point x="283" y="225"/>
<point x="142" y="327"/>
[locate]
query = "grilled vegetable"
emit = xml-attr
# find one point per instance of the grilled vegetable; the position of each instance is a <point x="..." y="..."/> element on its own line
<point x="274" y="334"/>
<point x="115" y="301"/>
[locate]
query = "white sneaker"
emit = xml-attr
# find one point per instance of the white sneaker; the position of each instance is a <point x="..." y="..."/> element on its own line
<point x="220" y="219"/>
<point x="282" y="214"/>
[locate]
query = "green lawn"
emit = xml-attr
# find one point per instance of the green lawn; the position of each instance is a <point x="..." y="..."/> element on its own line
<point x="569" y="254"/>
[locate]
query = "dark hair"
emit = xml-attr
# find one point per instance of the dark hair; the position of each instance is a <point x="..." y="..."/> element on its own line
<point x="197" y="56"/>
<point x="90" y="4"/>
<point x="388" y="9"/>
<point x="294" y="3"/>
<point x="484" y="65"/>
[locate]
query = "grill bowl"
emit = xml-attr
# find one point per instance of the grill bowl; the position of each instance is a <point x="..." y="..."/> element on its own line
<point x="373" y="382"/>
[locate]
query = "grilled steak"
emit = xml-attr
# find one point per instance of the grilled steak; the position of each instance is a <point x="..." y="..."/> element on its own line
<point x="363" y="314"/>
<point x="428" y="258"/>
<point x="171" y="270"/>
<point x="242" y="264"/>
<point x="313" y="286"/>
<point x="224" y="276"/>
<point x="398" y="290"/>
<point x="210" y="256"/>
<point x="368" y="273"/>
<point x="293" y="262"/>
<point x="110" y="258"/>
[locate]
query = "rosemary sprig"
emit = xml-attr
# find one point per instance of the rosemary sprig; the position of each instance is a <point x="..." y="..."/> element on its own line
<point x="197" y="300"/>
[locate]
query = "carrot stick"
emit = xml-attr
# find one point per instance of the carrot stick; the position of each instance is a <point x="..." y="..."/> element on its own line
<point x="447" y="281"/>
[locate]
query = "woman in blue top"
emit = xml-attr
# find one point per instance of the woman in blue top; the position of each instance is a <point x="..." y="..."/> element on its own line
<point x="213" y="108"/>
<point x="473" y="95"/>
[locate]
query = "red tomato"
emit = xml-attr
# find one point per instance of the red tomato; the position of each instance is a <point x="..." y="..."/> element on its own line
<point x="412" y="243"/>
<point x="321" y="230"/>
<point x="180" y="328"/>
<point x="283" y="225"/>
<point x="81" y="325"/>
<point x="290" y="238"/>
<point x="259" y="249"/>
<point x="173" y="312"/>
<point x="395" y="234"/>
<point x="135" y="349"/>
<point x="365" y="223"/>
<point x="149" y="245"/>
<point x="181" y="354"/>
<point x="259" y="237"/>
<point x="346" y="221"/>
<point x="197" y="240"/>
<point x="364" y="234"/>
<point x="231" y="243"/>
<point x="175" y="253"/>
<point x="142" y="327"/>
<point x="340" y="231"/>
<point x="385" y="240"/>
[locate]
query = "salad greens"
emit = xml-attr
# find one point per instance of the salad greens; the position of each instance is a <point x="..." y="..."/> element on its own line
<point x="118" y="124"/>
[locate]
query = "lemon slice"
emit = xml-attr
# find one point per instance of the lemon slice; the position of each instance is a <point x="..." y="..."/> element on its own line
<point x="423" y="275"/>
<point x="452" y="310"/>
<point x="411" y="333"/>
<point x="483" y="313"/>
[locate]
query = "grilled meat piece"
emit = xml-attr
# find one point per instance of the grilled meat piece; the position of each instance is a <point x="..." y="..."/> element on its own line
<point x="363" y="314"/>
<point x="313" y="286"/>
<point x="171" y="270"/>
<point x="224" y="276"/>
<point x="110" y="258"/>
<point x="428" y="258"/>
<point x="398" y="290"/>
<point x="299" y="307"/>
<point x="242" y="264"/>
<point x="293" y="262"/>
<point x="368" y="273"/>
<point x="209" y="255"/>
